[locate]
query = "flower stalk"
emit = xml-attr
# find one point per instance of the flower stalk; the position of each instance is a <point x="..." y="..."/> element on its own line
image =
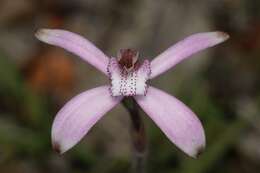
<point x="138" y="135"/>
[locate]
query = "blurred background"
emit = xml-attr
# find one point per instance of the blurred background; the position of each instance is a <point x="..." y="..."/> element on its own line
<point x="221" y="84"/>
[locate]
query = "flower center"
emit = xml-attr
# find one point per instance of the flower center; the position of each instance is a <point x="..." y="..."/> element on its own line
<point x="127" y="58"/>
<point x="128" y="76"/>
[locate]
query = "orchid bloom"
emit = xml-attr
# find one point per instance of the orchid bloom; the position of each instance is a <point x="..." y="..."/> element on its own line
<point x="128" y="76"/>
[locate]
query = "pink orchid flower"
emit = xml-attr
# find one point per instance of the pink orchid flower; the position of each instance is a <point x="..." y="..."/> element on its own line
<point x="128" y="76"/>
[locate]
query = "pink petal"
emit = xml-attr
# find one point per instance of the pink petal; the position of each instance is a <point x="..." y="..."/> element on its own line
<point x="75" y="44"/>
<point x="184" y="49"/>
<point x="76" y="118"/>
<point x="175" y="119"/>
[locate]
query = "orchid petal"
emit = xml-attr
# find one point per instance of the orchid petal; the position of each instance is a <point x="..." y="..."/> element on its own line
<point x="76" y="118"/>
<point x="175" y="119"/>
<point x="184" y="49"/>
<point x="75" y="44"/>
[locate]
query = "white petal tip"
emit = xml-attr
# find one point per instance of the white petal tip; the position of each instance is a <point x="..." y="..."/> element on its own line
<point x="43" y="34"/>
<point x="222" y="36"/>
<point x="198" y="152"/>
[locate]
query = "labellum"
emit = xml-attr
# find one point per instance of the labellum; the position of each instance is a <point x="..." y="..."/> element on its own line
<point x="127" y="74"/>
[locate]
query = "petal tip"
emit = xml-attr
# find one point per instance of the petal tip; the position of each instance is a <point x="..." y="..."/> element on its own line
<point x="198" y="152"/>
<point x="42" y="34"/>
<point x="57" y="148"/>
<point x="222" y="35"/>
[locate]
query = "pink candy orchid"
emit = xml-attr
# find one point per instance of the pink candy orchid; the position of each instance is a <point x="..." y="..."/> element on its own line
<point x="128" y="76"/>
